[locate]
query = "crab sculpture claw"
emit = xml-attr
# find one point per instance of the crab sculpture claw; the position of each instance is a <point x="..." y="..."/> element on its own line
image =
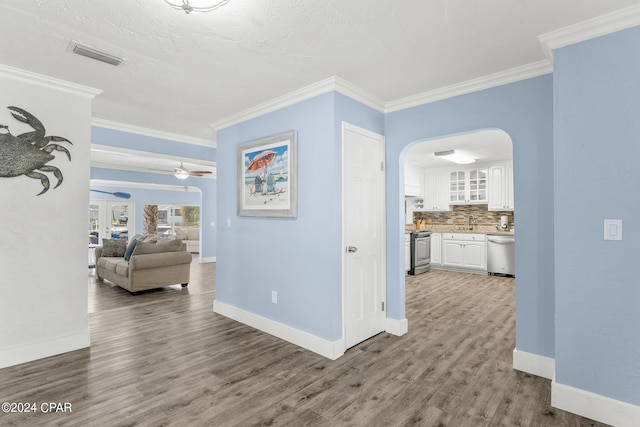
<point x="37" y="137"/>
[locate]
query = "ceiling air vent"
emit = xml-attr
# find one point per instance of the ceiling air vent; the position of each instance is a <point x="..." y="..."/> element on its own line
<point x="96" y="54"/>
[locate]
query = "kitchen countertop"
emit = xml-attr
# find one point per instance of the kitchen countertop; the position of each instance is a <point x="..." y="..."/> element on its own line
<point x="461" y="229"/>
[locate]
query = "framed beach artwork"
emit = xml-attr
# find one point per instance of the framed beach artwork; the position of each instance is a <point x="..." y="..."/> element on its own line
<point x="267" y="177"/>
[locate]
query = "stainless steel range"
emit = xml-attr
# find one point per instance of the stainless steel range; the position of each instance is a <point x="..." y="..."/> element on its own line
<point x="420" y="252"/>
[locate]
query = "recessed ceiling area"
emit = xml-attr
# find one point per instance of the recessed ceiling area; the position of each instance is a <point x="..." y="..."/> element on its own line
<point x="484" y="146"/>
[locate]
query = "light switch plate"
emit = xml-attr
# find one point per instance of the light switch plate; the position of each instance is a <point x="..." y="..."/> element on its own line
<point x="612" y="229"/>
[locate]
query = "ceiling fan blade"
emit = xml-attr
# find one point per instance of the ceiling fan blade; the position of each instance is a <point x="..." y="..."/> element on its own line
<point x="201" y="172"/>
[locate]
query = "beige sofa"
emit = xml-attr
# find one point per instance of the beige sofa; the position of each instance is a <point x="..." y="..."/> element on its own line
<point x="151" y="265"/>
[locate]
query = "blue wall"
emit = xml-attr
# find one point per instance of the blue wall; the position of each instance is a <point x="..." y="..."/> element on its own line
<point x="300" y="258"/>
<point x="597" y="154"/>
<point x="525" y="111"/>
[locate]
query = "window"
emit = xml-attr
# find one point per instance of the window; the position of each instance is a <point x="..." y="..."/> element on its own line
<point x="177" y="219"/>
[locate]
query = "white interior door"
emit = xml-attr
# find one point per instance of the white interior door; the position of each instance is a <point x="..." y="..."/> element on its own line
<point x="363" y="234"/>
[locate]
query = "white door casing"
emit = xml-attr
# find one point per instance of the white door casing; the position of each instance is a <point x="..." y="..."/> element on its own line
<point x="364" y="265"/>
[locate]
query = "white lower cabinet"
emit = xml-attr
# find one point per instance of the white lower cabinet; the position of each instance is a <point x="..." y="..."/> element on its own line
<point x="436" y="249"/>
<point x="464" y="250"/>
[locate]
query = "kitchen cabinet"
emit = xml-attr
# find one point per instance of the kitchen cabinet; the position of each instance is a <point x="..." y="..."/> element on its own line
<point x="468" y="186"/>
<point x="464" y="250"/>
<point x="436" y="190"/>
<point x="407" y="252"/>
<point x="436" y="248"/>
<point x="501" y="187"/>
<point x="413" y="181"/>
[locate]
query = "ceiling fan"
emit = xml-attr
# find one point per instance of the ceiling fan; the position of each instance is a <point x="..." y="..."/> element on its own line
<point x="183" y="173"/>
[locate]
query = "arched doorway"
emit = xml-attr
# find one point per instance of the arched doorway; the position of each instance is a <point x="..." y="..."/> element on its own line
<point x="461" y="202"/>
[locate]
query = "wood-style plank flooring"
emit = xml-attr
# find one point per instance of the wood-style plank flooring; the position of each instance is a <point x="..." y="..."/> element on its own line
<point x="163" y="358"/>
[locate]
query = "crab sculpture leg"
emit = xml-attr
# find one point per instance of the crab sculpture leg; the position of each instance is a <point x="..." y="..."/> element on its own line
<point x="56" y="147"/>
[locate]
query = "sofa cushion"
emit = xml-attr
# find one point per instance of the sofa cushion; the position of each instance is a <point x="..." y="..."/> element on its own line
<point x="122" y="268"/>
<point x="144" y="248"/>
<point x="113" y="247"/>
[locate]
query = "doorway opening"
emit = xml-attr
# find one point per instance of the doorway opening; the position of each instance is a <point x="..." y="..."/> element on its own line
<point x="460" y="203"/>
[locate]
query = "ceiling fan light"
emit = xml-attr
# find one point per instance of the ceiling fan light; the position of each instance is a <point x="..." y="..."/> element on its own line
<point x="454" y="157"/>
<point x="181" y="174"/>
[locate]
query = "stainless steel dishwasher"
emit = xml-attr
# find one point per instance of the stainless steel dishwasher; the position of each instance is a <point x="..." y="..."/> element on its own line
<point x="500" y="254"/>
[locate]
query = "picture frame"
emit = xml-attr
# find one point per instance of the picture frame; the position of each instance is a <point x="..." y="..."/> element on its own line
<point x="267" y="180"/>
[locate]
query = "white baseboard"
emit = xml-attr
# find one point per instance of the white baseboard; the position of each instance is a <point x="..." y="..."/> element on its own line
<point x="397" y="327"/>
<point x="208" y="259"/>
<point x="328" y="349"/>
<point x="540" y="366"/>
<point x="594" y="406"/>
<point x="41" y="349"/>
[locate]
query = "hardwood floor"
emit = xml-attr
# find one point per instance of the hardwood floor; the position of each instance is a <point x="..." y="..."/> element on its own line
<point x="163" y="358"/>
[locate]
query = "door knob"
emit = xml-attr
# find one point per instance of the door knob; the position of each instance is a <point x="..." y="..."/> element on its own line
<point x="352" y="249"/>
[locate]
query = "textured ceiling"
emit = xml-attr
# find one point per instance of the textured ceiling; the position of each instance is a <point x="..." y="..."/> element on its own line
<point x="183" y="72"/>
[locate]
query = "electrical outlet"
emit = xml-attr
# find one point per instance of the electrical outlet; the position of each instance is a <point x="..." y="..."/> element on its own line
<point x="274" y="297"/>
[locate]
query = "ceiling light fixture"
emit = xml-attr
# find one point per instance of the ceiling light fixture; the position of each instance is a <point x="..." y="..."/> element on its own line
<point x="181" y="174"/>
<point x="454" y="157"/>
<point x="197" y="5"/>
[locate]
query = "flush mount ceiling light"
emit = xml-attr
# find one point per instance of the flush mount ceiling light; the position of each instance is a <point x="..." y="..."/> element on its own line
<point x="96" y="54"/>
<point x="197" y="5"/>
<point x="454" y="157"/>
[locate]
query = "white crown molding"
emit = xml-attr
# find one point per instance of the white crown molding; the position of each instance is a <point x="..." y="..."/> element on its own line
<point x="589" y="29"/>
<point x="354" y="92"/>
<point x="330" y="84"/>
<point x="511" y="75"/>
<point x="346" y="88"/>
<point x="46" y="81"/>
<point x="108" y="124"/>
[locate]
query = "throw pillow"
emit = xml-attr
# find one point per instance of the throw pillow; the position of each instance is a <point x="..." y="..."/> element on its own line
<point x="130" y="247"/>
<point x="113" y="247"/>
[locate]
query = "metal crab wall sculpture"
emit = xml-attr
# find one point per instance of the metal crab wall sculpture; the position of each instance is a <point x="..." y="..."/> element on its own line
<point x="28" y="153"/>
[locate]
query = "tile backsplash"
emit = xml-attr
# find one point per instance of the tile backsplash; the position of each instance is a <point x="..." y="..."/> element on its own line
<point x="482" y="219"/>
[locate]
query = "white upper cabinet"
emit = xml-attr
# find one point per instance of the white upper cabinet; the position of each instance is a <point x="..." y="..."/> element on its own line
<point x="413" y="181"/>
<point x="436" y="190"/>
<point x="501" y="187"/>
<point x="468" y="186"/>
